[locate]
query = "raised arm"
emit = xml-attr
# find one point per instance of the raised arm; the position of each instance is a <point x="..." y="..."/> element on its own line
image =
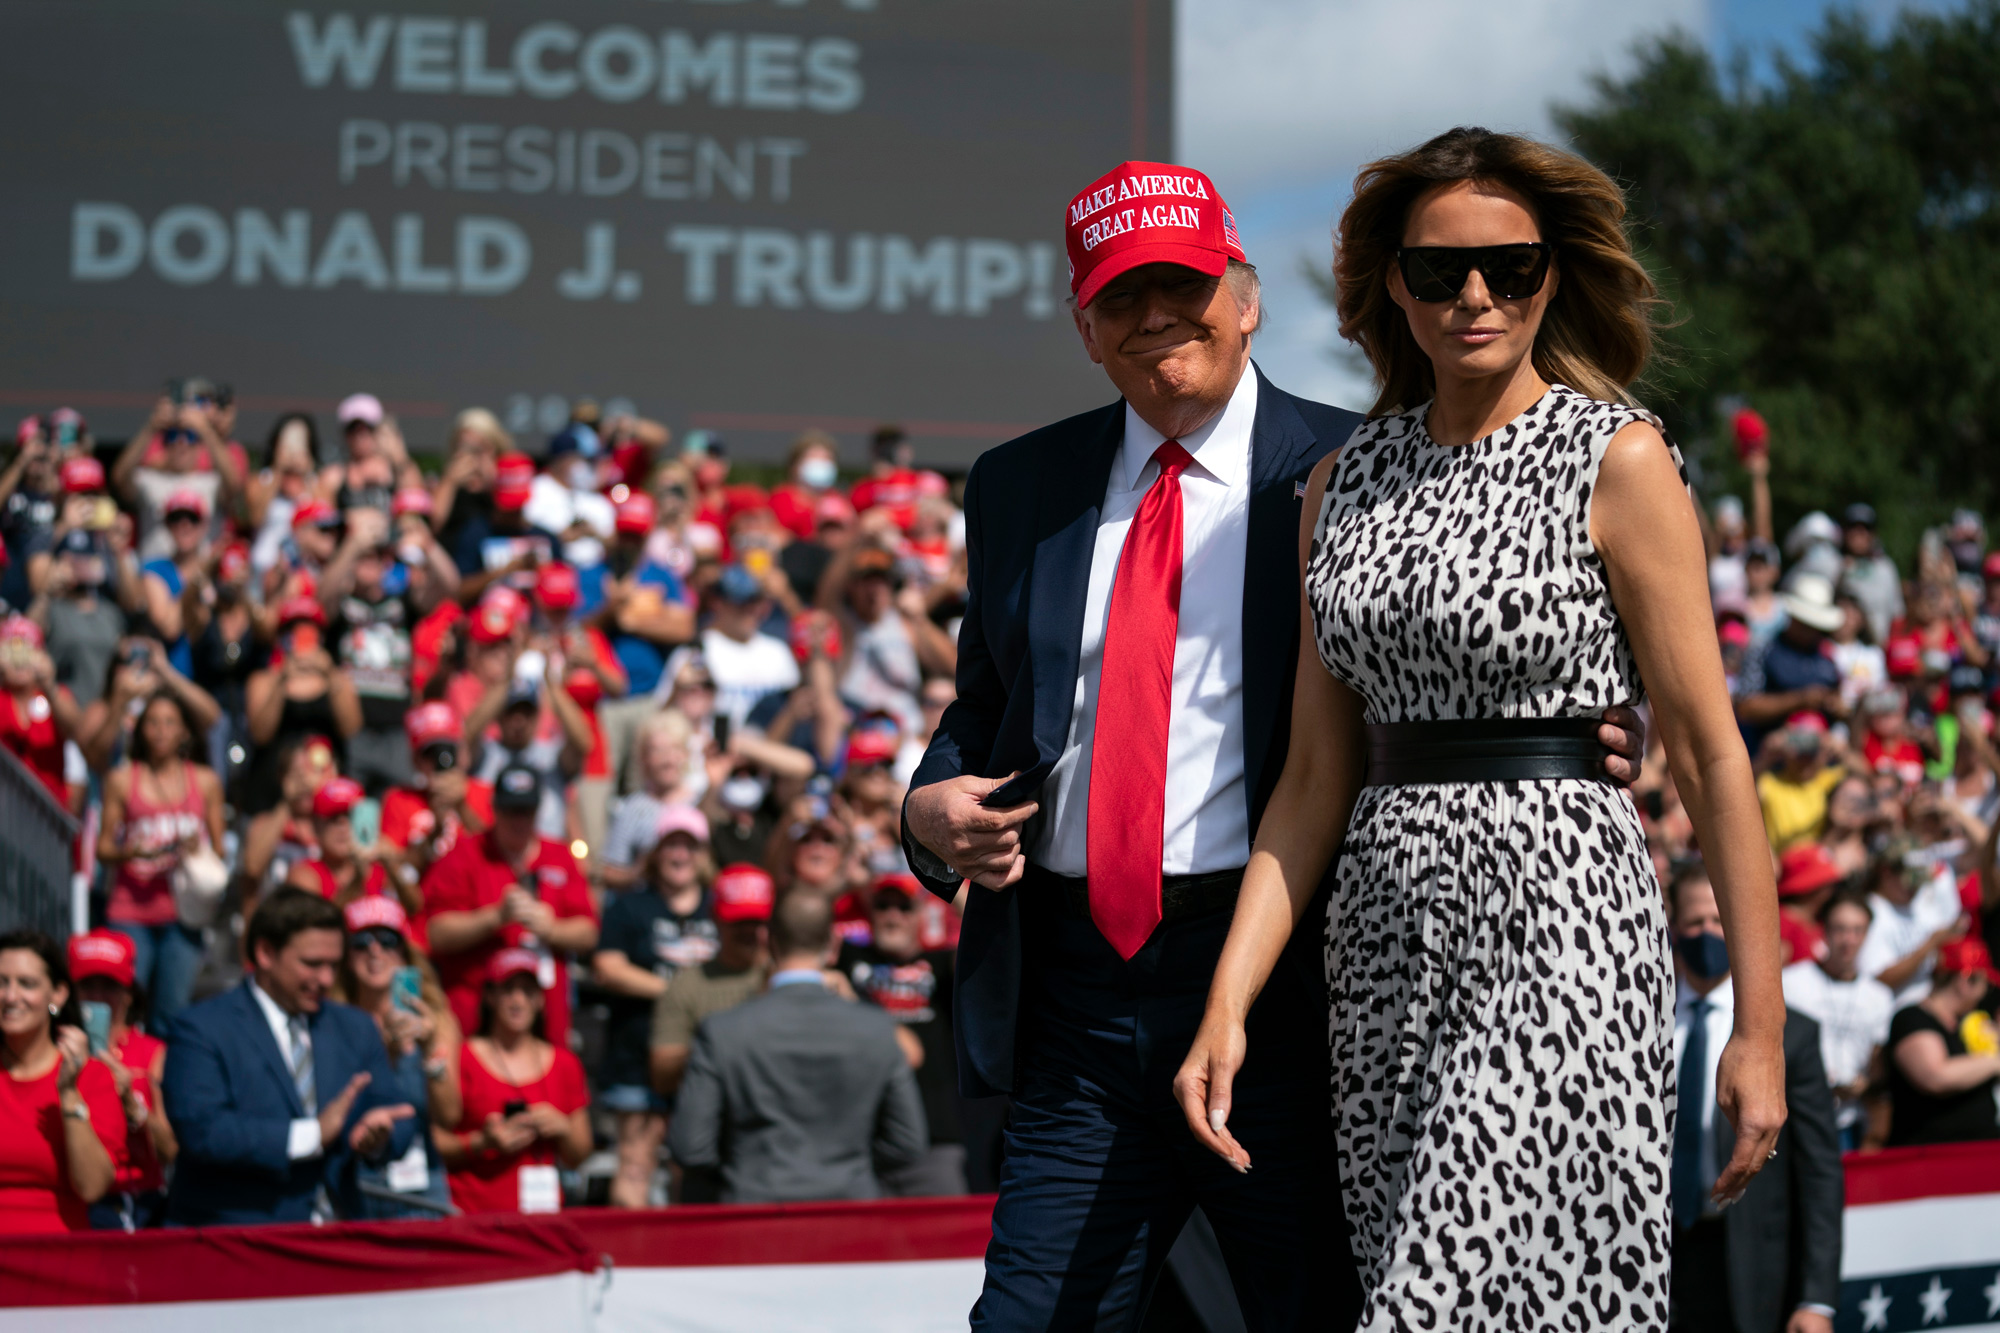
<point x="1301" y="828"/>
<point x="1643" y="527"/>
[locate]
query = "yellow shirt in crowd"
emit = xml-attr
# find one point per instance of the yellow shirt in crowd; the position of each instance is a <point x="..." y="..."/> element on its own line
<point x="1795" y="812"/>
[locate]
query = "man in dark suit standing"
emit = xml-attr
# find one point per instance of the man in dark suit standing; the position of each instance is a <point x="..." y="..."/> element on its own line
<point x="798" y="1094"/>
<point x="1125" y="674"/>
<point x="1770" y="1261"/>
<point x="273" y="1089"/>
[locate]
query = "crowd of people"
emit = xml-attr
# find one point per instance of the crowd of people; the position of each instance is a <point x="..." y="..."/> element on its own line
<point x="476" y="789"/>
<point x="547" y="802"/>
<point x="1865" y="693"/>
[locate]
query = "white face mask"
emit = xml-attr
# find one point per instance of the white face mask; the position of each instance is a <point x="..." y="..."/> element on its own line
<point x="819" y="473"/>
<point x="742" y="793"/>
<point x="582" y="476"/>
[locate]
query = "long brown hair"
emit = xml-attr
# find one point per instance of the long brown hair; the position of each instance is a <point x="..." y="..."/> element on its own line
<point x="1597" y="332"/>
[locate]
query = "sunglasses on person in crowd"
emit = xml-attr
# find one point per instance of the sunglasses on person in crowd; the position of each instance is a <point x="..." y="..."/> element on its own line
<point x="444" y="756"/>
<point x="1438" y="272"/>
<point x="697" y="683"/>
<point x="180" y="435"/>
<point x="375" y="937"/>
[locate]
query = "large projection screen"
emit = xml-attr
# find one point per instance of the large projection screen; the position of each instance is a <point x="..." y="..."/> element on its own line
<point x="745" y="215"/>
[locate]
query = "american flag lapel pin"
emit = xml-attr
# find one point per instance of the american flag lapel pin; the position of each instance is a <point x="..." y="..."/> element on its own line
<point x="1298" y="490"/>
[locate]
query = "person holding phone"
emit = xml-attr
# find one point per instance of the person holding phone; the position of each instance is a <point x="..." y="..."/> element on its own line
<point x="159" y="806"/>
<point x="343" y="870"/>
<point x="36" y="714"/>
<point x="421" y="822"/>
<point x="526" y="1106"/>
<point x="102" y="967"/>
<point x="384" y="975"/>
<point x="62" y="1131"/>
<point x="300" y="694"/>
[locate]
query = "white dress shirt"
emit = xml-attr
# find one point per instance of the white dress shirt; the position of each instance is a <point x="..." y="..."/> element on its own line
<point x="305" y="1136"/>
<point x="1721" y="1025"/>
<point x="1207" y="826"/>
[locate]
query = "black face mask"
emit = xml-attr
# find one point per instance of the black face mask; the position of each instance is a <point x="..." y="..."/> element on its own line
<point x="1704" y="955"/>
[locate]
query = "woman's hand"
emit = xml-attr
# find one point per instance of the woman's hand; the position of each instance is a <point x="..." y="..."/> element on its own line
<point x="1204" y="1084"/>
<point x="72" y="1053"/>
<point x="1750" y="1089"/>
<point x="121" y="1077"/>
<point x="509" y="1134"/>
<point x="545" y="1120"/>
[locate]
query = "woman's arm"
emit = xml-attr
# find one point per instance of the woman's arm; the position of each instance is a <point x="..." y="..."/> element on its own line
<point x="166" y="1147"/>
<point x="612" y="970"/>
<point x="111" y="831"/>
<point x="1928" y="1063"/>
<point x="1300" y="831"/>
<point x="1642" y="524"/>
<point x="264" y="701"/>
<point x="211" y="795"/>
<point x="346" y="701"/>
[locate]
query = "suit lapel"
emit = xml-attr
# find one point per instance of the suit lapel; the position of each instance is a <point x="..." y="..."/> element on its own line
<point x="1280" y="443"/>
<point x="265" y="1043"/>
<point x="1065" y="537"/>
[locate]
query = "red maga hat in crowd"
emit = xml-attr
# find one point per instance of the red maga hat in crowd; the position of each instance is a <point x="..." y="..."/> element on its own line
<point x="411" y="500"/>
<point x="514" y="478"/>
<point x="186" y="501"/>
<point x="491" y="623"/>
<point x="1805" y="869"/>
<point x="513" y="963"/>
<point x="1967" y="955"/>
<point x="635" y="514"/>
<point x="338" y="797"/>
<point x="81" y="475"/>
<point x="431" y="724"/>
<point x="743" y="892"/>
<point x="301" y="608"/>
<point x="103" y="953"/>
<point x="1146" y="213"/>
<point x="556" y="587"/>
<point x="315" y="514"/>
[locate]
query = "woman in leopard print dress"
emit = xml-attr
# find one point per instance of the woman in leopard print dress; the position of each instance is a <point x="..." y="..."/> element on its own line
<point x="1519" y="544"/>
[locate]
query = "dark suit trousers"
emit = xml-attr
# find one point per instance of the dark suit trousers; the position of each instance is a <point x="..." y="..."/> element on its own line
<point x="1101" y="1171"/>
<point x="1699" y="1286"/>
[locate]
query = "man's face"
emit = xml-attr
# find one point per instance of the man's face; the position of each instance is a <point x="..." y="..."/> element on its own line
<point x="1166" y="332"/>
<point x="894" y="922"/>
<point x="739" y="621"/>
<point x="1695" y="912"/>
<point x="299" y="975"/>
<point x="870" y="597"/>
<point x="336" y="837"/>
<point x="370" y="570"/>
<point x="1846" y="930"/>
<point x="744" y="943"/>
<point x="514" y="832"/>
<point x="517" y="726"/>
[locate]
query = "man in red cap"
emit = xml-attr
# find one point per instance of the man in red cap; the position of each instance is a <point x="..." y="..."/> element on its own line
<point x="1133" y="610"/>
<point x="742" y="896"/>
<point x="421" y="822"/>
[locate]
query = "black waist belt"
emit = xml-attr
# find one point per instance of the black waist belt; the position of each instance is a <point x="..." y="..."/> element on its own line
<point x="1181" y="896"/>
<point x="1405" y="754"/>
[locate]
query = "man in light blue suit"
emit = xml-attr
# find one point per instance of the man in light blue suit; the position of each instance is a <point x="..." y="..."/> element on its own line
<point x="275" y="1090"/>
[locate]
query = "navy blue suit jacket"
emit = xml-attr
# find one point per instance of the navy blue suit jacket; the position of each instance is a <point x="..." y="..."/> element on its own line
<point x="1031" y="515"/>
<point x="230" y="1097"/>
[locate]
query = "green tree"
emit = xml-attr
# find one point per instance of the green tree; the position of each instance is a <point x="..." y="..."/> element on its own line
<point x="1830" y="240"/>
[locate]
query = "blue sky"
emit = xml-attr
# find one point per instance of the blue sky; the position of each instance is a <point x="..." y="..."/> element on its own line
<point x="1281" y="100"/>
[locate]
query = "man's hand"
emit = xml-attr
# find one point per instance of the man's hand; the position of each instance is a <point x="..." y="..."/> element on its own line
<point x="371" y="1132"/>
<point x="334" y="1114"/>
<point x="1808" y="1321"/>
<point x="980" y="844"/>
<point x="1624" y="734"/>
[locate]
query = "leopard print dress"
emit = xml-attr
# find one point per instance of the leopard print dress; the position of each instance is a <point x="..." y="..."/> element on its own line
<point x="1502" y="990"/>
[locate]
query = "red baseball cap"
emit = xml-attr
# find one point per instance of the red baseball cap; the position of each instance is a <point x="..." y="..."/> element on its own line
<point x="1967" y="955"/>
<point x="336" y="798"/>
<point x="870" y="745"/>
<point x="514" y="478"/>
<point x="1905" y="656"/>
<point x="80" y="475"/>
<point x="431" y="724"/>
<point x="234" y="562"/>
<point x="411" y="500"/>
<point x="301" y="608"/>
<point x="636" y="513"/>
<point x="20" y="627"/>
<point x="317" y="514"/>
<point x="491" y="623"/>
<point x="513" y="963"/>
<point x="743" y="892"/>
<point x="103" y="953"/>
<point x="556" y="587"/>
<point x="1146" y="213"/>
<point x="905" y="884"/>
<point x="376" y="909"/>
<point x="833" y="508"/>
<point x="1805" y="869"/>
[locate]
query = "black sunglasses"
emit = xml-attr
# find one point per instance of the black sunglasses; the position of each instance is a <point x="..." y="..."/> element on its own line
<point x="1438" y="272"/>
<point x="389" y="941"/>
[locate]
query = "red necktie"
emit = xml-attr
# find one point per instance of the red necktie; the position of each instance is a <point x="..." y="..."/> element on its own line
<point x="1128" y="753"/>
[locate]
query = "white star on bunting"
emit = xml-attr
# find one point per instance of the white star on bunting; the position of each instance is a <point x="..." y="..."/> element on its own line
<point x="1992" y="1295"/>
<point x="1935" y="1297"/>
<point x="1875" y="1309"/>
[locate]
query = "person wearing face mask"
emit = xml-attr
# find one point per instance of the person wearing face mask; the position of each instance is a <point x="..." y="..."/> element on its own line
<point x="564" y="498"/>
<point x="1942" y="1090"/>
<point x="1771" y="1261"/>
<point x="812" y="469"/>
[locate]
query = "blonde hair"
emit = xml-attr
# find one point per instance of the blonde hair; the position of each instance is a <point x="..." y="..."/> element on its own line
<point x="1597" y="332"/>
<point x="669" y="724"/>
<point x="478" y="421"/>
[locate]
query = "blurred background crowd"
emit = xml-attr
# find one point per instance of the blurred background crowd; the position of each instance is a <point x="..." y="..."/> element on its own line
<point x="552" y="729"/>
